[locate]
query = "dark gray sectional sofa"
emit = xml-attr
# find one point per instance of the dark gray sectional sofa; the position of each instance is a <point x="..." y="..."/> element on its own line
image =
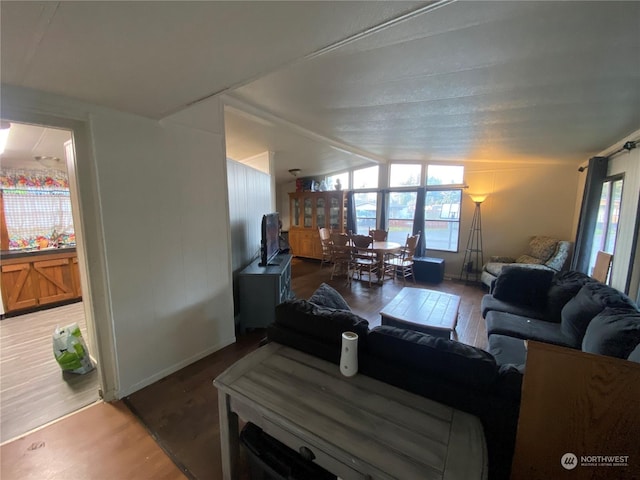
<point x="569" y="309"/>
<point x="455" y="374"/>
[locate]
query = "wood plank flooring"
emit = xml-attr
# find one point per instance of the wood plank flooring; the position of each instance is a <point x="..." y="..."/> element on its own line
<point x="33" y="389"/>
<point x="102" y="442"/>
<point x="108" y="446"/>
<point x="367" y="301"/>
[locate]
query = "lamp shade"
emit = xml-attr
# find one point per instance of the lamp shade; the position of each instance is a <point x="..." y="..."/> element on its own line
<point x="478" y="197"/>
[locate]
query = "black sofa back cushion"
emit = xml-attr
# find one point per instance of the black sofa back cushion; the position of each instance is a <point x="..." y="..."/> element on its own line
<point x="322" y="323"/>
<point x="523" y="285"/>
<point x="564" y="287"/>
<point x="439" y="356"/>
<point x="613" y="332"/>
<point x="592" y="299"/>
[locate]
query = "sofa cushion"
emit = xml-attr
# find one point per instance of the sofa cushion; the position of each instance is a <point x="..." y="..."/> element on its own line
<point x="522" y="285"/>
<point x="529" y="259"/>
<point x="502" y="323"/>
<point x="541" y="248"/>
<point x="489" y="302"/>
<point x="327" y="296"/>
<point x="613" y="332"/>
<point x="560" y="256"/>
<point x="590" y="300"/>
<point x="440" y="356"/>
<point x="319" y="322"/>
<point x="564" y="287"/>
<point x="508" y="351"/>
<point x="494" y="268"/>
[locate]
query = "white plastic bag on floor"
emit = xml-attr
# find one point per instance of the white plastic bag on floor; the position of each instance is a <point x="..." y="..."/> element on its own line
<point x="70" y="350"/>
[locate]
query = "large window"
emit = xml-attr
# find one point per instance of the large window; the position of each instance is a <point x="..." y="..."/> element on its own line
<point x="608" y="215"/>
<point x="442" y="207"/>
<point x="442" y="219"/>
<point x="37" y="209"/>
<point x="366" y="207"/>
<point x="404" y="174"/>
<point x="365" y="178"/>
<point x="401" y="212"/>
<point x="340" y="180"/>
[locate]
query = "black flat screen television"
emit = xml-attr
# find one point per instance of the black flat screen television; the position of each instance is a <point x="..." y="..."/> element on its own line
<point x="270" y="243"/>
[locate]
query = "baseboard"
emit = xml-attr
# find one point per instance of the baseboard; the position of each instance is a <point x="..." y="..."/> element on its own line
<point x="174" y="368"/>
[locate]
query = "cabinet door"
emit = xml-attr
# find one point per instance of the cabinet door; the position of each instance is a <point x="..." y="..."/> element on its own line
<point x="17" y="287"/>
<point x="75" y="276"/>
<point x="321" y="212"/>
<point x="295" y="212"/>
<point x="335" y="213"/>
<point x="307" y="213"/>
<point x="54" y="280"/>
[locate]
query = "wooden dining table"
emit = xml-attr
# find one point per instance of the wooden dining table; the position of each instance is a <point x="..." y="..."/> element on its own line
<point x="381" y="249"/>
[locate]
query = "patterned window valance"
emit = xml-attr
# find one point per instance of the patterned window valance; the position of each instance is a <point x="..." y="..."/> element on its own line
<point x="18" y="179"/>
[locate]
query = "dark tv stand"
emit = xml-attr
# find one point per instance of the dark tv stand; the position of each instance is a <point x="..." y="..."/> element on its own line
<point x="261" y="289"/>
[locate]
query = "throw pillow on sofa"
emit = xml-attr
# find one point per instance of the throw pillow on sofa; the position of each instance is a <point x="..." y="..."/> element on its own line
<point x="523" y="285"/>
<point x="446" y="358"/>
<point x="613" y="332"/>
<point x="327" y="296"/>
<point x="592" y="299"/>
<point x="564" y="287"/>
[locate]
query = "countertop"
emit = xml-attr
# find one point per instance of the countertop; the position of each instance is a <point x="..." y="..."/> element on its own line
<point x="7" y="254"/>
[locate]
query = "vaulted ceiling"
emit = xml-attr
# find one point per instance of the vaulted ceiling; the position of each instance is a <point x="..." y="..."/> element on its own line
<point x="327" y="85"/>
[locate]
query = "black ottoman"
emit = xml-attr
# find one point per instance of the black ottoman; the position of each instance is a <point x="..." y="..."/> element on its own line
<point x="428" y="269"/>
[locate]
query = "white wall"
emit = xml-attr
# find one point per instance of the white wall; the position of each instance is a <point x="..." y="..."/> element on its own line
<point x="161" y="202"/>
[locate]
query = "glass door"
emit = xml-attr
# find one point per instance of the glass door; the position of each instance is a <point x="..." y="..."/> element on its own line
<point x="604" y="238"/>
<point x="321" y="213"/>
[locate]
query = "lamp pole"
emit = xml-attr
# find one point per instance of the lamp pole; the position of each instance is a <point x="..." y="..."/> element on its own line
<point x="473" y="256"/>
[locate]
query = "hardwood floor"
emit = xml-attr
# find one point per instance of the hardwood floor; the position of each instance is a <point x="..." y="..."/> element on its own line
<point x="102" y="442"/>
<point x="107" y="441"/>
<point x="368" y="301"/>
<point x="33" y="389"/>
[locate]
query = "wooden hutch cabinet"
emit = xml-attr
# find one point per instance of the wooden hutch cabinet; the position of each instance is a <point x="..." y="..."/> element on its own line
<point x="310" y="211"/>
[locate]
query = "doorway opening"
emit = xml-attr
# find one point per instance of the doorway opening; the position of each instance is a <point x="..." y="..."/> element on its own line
<point x="41" y="280"/>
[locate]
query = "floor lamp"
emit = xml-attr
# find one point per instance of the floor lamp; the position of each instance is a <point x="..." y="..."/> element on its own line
<point x="473" y="257"/>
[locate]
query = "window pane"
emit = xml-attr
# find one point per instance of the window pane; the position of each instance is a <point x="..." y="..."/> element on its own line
<point x="442" y="220"/>
<point x="604" y="236"/>
<point x="402" y="206"/>
<point x="445" y="175"/>
<point x="365" y="178"/>
<point x="404" y="175"/>
<point x="344" y="181"/>
<point x="366" y="206"/>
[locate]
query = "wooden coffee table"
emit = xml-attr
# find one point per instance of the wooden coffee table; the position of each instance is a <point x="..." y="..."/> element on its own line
<point x="427" y="311"/>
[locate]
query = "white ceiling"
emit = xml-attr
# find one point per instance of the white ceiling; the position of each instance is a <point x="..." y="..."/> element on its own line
<point x="310" y="81"/>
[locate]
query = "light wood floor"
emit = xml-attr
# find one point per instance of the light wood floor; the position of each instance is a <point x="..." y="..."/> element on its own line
<point x="105" y="441"/>
<point x="33" y="389"/>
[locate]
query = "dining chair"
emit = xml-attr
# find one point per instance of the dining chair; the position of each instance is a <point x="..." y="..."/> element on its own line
<point x="325" y="242"/>
<point x="378" y="235"/>
<point x="342" y="258"/>
<point x="365" y="259"/>
<point x="402" y="263"/>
